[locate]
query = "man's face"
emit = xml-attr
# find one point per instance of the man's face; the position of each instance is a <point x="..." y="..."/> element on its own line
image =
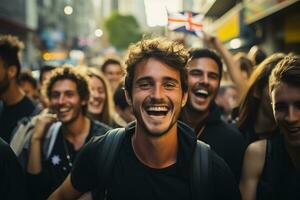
<point x="4" y="80"/>
<point x="65" y="101"/>
<point x="114" y="74"/>
<point x="203" y="81"/>
<point x="157" y="97"/>
<point x="97" y="97"/>
<point x="286" y="109"/>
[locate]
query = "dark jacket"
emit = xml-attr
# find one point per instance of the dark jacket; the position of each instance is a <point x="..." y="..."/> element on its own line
<point x="224" y="139"/>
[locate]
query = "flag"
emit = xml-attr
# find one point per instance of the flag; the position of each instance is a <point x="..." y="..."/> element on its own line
<point x="188" y="22"/>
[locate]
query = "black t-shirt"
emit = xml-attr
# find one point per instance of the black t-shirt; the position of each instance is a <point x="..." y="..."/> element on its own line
<point x="10" y="115"/>
<point x="131" y="179"/>
<point x="12" y="185"/>
<point x="57" y="166"/>
<point x="279" y="179"/>
<point x="225" y="140"/>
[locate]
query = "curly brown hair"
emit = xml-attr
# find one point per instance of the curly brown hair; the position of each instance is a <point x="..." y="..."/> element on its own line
<point x="70" y="73"/>
<point x="168" y="52"/>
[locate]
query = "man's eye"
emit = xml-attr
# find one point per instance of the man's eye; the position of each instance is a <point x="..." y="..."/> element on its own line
<point x="54" y="95"/>
<point x="280" y="108"/>
<point x="213" y="76"/>
<point x="170" y="85"/>
<point x="69" y="94"/>
<point x="195" y="73"/>
<point x="297" y="105"/>
<point x="145" y="85"/>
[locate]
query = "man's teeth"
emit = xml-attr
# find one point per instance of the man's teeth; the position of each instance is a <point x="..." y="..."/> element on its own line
<point x="202" y="92"/>
<point x="158" y="109"/>
<point x="63" y="109"/>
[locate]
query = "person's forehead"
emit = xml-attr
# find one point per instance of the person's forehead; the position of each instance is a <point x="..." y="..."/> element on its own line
<point x="95" y="81"/>
<point x="155" y="69"/>
<point x="204" y="64"/>
<point x="286" y="92"/>
<point x="64" y="84"/>
<point x="113" y="67"/>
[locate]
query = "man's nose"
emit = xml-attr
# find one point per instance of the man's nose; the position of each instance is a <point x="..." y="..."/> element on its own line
<point x="293" y="114"/>
<point x="158" y="92"/>
<point x="205" y="78"/>
<point x="61" y="99"/>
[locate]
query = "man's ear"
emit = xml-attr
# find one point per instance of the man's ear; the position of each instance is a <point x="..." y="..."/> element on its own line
<point x="12" y="71"/>
<point x="184" y="99"/>
<point x="128" y="98"/>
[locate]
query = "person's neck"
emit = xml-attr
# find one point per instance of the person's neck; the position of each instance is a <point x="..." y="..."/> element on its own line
<point x="264" y="124"/>
<point x="193" y="117"/>
<point x="294" y="153"/>
<point x="13" y="95"/>
<point x="156" y="152"/>
<point x="77" y="131"/>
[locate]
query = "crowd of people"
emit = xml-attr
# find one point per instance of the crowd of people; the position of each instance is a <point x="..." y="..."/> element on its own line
<point x="163" y="127"/>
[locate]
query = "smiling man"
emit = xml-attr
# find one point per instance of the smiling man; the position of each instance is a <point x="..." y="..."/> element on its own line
<point x="154" y="159"/>
<point x="60" y="132"/>
<point x="271" y="167"/>
<point x="204" y="116"/>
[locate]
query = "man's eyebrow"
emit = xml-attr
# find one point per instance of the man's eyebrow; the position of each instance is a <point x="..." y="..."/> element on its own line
<point x="144" y="78"/>
<point x="170" y="79"/>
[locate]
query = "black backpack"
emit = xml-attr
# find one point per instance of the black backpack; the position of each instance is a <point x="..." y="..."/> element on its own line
<point x="200" y="168"/>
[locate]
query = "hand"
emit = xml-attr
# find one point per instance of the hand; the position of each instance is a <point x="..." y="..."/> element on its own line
<point x="42" y="123"/>
<point x="210" y="40"/>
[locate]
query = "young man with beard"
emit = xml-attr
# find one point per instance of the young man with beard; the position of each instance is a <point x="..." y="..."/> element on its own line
<point x="202" y="114"/>
<point x="14" y="104"/>
<point x="58" y="135"/>
<point x="271" y="167"/>
<point x="154" y="159"/>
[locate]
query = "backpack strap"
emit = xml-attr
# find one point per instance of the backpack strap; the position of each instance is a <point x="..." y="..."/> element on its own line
<point x="200" y="171"/>
<point x="112" y="143"/>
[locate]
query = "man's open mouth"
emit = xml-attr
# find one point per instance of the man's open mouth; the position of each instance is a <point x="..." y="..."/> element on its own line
<point x="201" y="93"/>
<point x="157" y="110"/>
<point x="64" y="109"/>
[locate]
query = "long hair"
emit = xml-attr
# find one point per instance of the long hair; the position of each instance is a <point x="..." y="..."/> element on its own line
<point x="257" y="82"/>
<point x="106" y="116"/>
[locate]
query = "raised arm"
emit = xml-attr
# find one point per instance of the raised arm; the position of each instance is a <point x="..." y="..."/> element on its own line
<point x="254" y="161"/>
<point x="65" y="192"/>
<point x="43" y="121"/>
<point x="233" y="66"/>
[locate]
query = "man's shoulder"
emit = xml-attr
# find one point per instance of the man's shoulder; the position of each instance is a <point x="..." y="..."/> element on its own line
<point x="99" y="128"/>
<point x="224" y="128"/>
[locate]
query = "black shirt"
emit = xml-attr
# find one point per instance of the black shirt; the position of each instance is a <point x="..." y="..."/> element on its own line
<point x="131" y="179"/>
<point x="57" y="166"/>
<point x="12" y="185"/>
<point x="11" y="114"/>
<point x="280" y="180"/>
<point x="224" y="139"/>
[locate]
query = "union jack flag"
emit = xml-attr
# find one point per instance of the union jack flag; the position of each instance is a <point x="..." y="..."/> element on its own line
<point x="188" y="22"/>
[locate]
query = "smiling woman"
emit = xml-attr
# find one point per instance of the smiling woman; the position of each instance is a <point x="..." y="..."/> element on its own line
<point x="100" y="106"/>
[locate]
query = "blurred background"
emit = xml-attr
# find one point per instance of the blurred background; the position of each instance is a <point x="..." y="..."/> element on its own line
<point x="86" y="31"/>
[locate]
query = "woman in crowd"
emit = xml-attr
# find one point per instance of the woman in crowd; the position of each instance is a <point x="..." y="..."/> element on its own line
<point x="100" y="106"/>
<point x="255" y="118"/>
